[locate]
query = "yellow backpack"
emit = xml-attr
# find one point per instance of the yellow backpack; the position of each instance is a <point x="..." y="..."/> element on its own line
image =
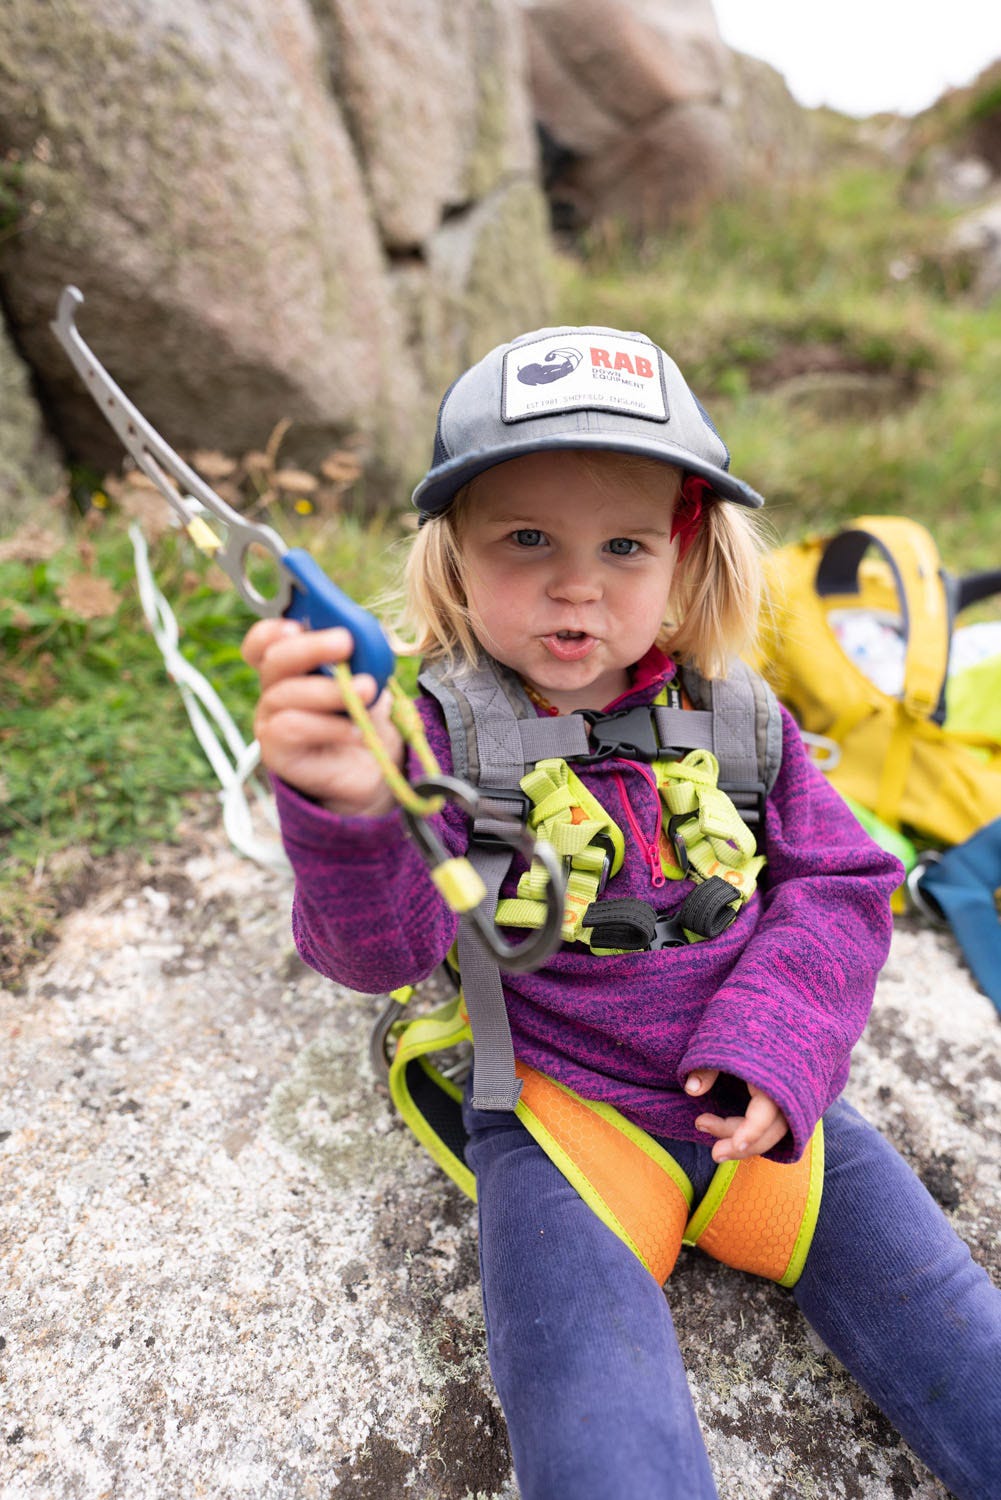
<point x="895" y="751"/>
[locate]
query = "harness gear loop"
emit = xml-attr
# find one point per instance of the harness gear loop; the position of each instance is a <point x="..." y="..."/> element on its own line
<point x="573" y="822"/>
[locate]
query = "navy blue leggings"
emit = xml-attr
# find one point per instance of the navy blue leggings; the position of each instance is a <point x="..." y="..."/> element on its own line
<point x="583" y="1350"/>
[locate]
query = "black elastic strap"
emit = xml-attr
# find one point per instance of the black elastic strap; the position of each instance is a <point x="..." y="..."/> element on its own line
<point x="709" y="908"/>
<point x="624" y="922"/>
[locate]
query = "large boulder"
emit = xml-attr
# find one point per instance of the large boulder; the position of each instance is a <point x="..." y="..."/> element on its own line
<point x="29" y="461"/>
<point x="433" y="95"/>
<point x="645" y="113"/>
<point x="233" y="189"/>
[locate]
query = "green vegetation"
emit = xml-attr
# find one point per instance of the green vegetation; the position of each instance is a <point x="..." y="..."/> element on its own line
<point x="827" y="331"/>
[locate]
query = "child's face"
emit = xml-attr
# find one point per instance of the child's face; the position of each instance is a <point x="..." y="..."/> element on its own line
<point x="567" y="572"/>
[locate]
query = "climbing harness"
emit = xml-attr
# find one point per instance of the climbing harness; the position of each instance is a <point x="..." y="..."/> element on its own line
<point x="757" y="1215"/>
<point x="712" y="765"/>
<point x="303" y="592"/>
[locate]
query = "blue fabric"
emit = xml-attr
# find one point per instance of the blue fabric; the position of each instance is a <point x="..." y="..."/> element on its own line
<point x="963" y="883"/>
<point x="585" y="1358"/>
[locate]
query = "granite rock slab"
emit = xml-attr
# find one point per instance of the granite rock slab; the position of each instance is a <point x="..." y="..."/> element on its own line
<point x="228" y="1270"/>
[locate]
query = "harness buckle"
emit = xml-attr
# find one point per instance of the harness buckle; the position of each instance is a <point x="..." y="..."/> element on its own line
<point x="630" y="734"/>
<point x="749" y="798"/>
<point x="668" y="932"/>
<point x="491" y="827"/>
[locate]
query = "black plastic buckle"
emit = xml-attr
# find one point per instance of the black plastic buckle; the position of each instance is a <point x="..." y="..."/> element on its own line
<point x="630" y="734"/>
<point x="607" y="848"/>
<point x="677" y="840"/>
<point x="516" y="809"/>
<point x="749" y="798"/>
<point x="668" y="932"/>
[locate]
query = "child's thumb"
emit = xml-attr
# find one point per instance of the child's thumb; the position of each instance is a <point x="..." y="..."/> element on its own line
<point x="702" y="1081"/>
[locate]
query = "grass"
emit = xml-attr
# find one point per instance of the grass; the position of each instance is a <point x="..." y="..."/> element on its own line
<point x="840" y="276"/>
<point x="96" y="750"/>
<point x="837" y="275"/>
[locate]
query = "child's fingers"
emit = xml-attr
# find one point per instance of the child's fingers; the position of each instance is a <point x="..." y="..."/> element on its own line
<point x="296" y="731"/>
<point x="717" y="1126"/>
<point x="725" y="1131"/>
<point x="740" y="1136"/>
<point x="763" y="1127"/>
<point x="262" y="635"/>
<point x="314" y="693"/>
<point x="290" y="651"/>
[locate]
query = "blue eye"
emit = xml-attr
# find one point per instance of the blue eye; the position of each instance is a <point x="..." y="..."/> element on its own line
<point x="528" y="537"/>
<point x="622" y="546"/>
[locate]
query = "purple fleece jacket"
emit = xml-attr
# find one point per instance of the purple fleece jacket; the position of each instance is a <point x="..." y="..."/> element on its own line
<point x="778" y="1000"/>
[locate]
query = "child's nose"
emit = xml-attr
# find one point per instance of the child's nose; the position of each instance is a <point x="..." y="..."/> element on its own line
<point x="574" y="581"/>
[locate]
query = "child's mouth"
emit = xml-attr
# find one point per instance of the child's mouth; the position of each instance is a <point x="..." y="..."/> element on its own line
<point x="569" y="645"/>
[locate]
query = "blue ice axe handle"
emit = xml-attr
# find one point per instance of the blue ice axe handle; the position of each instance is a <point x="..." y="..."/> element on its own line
<point x="318" y="604"/>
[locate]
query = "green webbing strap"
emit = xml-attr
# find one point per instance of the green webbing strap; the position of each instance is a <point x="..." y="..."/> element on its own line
<point x="428" y="1100"/>
<point x="710" y="837"/>
<point x="573" y="821"/>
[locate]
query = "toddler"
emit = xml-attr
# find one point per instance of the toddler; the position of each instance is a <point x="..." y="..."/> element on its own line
<point x="584" y="544"/>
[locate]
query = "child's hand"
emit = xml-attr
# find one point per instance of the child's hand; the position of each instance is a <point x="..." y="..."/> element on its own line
<point x="739" y="1136"/>
<point x="305" y="737"/>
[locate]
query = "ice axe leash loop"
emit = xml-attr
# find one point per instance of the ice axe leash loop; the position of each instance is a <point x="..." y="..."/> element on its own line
<point x="304" y="593"/>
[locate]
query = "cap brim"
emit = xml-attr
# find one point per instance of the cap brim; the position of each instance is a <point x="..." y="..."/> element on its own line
<point x="439" y="487"/>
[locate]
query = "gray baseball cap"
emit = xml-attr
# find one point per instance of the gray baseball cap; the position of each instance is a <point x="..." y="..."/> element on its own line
<point x="573" y="388"/>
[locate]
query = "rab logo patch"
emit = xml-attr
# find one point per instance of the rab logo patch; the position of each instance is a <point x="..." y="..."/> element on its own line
<point x="596" y="372"/>
<point x="556" y="365"/>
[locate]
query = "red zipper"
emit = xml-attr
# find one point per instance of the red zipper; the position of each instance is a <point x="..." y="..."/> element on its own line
<point x="651" y="851"/>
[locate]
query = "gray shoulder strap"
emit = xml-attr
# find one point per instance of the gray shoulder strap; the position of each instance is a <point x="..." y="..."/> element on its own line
<point x="495" y="731"/>
<point x="747" y="725"/>
<point x="495" y="734"/>
<point x="482" y="706"/>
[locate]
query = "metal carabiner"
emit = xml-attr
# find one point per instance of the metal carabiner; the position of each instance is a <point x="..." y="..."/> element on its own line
<point x="516" y="958"/>
<point x="303" y="591"/>
<point x="926" y="906"/>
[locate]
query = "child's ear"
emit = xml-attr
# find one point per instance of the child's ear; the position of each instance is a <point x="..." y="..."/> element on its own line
<point x="688" y="512"/>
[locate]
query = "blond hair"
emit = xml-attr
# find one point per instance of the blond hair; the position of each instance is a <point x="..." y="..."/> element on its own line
<point x="710" y="616"/>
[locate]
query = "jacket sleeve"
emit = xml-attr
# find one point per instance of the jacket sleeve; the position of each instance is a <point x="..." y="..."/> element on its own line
<point x="798" y="998"/>
<point x="365" y="911"/>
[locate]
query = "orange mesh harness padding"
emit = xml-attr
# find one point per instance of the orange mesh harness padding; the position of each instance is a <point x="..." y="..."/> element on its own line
<point x="757" y="1215"/>
<point x="640" y="1193"/>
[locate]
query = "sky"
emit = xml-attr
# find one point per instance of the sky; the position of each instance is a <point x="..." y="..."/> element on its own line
<point x="864" y="56"/>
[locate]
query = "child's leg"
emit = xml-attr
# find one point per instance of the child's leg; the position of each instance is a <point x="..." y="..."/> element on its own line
<point x="894" y="1293"/>
<point x="581" y="1343"/>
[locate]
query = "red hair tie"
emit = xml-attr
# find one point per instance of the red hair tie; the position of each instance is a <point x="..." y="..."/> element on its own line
<point x="688" y="512"/>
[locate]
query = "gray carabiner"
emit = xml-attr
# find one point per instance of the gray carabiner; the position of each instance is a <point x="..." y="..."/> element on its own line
<point x="532" y="952"/>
